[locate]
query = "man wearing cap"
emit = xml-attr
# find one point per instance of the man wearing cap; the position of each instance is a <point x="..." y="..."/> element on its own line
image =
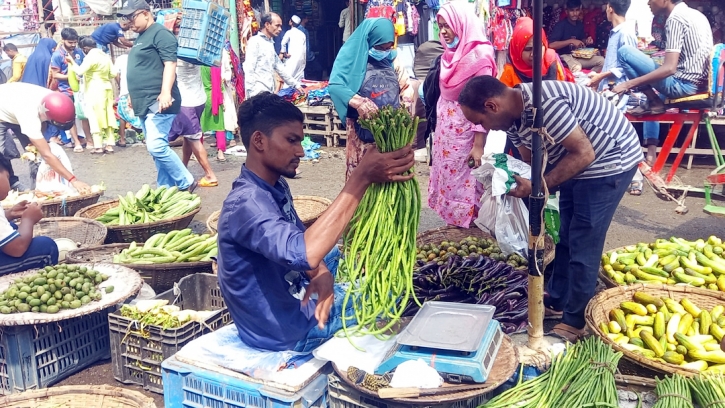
<point x="153" y="93"/>
<point x="28" y="116"/>
<point x="261" y="61"/>
<point x="294" y="50"/>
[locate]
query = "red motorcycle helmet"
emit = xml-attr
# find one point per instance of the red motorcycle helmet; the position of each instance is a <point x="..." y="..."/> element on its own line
<point x="59" y="110"/>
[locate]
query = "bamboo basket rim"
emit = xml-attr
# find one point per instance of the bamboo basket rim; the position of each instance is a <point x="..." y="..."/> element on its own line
<point x="114" y="395"/>
<point x="622" y="293"/>
<point x="212" y="221"/>
<point x="102" y="231"/>
<point x="122" y="277"/>
<point x="61" y="200"/>
<point x="141" y="226"/>
<point x="73" y="258"/>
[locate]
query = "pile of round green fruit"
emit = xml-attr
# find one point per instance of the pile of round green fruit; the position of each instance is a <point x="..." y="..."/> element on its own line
<point x="471" y="247"/>
<point x="53" y="289"/>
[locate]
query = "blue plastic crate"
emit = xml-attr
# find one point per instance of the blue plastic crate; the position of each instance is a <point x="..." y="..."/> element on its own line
<point x="190" y="386"/>
<point x="203" y="32"/>
<point x="36" y="356"/>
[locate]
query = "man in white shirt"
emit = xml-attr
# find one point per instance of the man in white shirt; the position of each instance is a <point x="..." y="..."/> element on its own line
<point x="29" y="113"/>
<point x="345" y="22"/>
<point x="294" y="49"/>
<point x="19" y="251"/>
<point x="187" y="123"/>
<point x="262" y="62"/>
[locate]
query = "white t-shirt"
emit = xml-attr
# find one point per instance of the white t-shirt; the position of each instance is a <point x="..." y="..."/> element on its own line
<point x="121" y="66"/>
<point x="7" y="232"/>
<point x="22" y="109"/>
<point x="188" y="78"/>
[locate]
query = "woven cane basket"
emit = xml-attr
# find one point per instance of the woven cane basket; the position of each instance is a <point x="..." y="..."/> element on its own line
<point x="135" y="232"/>
<point x="453" y="233"/>
<point x="597" y="311"/>
<point x="78" y="396"/>
<point x="67" y="207"/>
<point x="161" y="277"/>
<point x="309" y="209"/>
<point x="83" y="231"/>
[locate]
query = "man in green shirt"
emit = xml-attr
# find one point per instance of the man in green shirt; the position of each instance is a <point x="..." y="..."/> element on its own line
<point x="153" y="93"/>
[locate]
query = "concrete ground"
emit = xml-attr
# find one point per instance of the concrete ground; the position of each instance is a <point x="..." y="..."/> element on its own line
<point x="642" y="218"/>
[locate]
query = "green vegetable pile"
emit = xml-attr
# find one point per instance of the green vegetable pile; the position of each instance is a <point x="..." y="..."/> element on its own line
<point x="471" y="247"/>
<point x="379" y="244"/>
<point x="583" y="376"/>
<point x="54" y="289"/>
<point x="149" y="205"/>
<point x="673" y="392"/>
<point x="157" y="312"/>
<point x="176" y="246"/>
<point x="709" y="389"/>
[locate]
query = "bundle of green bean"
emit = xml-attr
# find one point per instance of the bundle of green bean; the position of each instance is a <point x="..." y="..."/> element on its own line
<point x="581" y="376"/>
<point x="379" y="244"/>
<point x="673" y="392"/>
<point x="176" y="246"/>
<point x="709" y="389"/>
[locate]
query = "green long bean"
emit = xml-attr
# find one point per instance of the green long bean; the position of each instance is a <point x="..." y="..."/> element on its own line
<point x="379" y="242"/>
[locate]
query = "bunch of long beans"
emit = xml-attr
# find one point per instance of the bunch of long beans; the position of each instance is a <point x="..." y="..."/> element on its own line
<point x="673" y="392"/>
<point x="709" y="390"/>
<point x="582" y="376"/>
<point x="379" y="243"/>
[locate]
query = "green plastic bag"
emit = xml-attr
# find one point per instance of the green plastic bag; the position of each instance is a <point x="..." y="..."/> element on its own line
<point x="552" y="222"/>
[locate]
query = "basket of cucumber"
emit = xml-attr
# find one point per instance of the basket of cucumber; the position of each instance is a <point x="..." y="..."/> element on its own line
<point x="135" y="232"/>
<point x="675" y="261"/>
<point x="661" y="328"/>
<point x="160" y="276"/>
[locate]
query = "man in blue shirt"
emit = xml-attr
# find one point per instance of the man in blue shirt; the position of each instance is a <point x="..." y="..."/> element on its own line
<point x="270" y="267"/>
<point x="59" y="68"/>
<point x="622" y="34"/>
<point x="112" y="33"/>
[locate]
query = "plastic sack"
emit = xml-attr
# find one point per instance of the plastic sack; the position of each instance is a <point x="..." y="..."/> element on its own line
<point x="47" y="180"/>
<point x="503" y="216"/>
<point x="73" y="81"/>
<point x="311" y="149"/>
<point x="552" y="222"/>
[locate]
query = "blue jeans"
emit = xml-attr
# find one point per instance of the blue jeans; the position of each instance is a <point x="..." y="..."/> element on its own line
<point x="171" y="171"/>
<point x="651" y="133"/>
<point x="41" y="252"/>
<point x="636" y="64"/>
<point x="586" y="208"/>
<point x="317" y="336"/>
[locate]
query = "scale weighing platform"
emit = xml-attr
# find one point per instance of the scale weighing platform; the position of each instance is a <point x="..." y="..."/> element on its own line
<point x="459" y="340"/>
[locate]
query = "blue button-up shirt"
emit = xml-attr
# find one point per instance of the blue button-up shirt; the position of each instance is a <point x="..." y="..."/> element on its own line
<point x="262" y="264"/>
<point x="620" y="36"/>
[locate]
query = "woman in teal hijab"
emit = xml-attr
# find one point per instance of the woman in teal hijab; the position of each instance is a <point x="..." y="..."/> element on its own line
<point x="362" y="80"/>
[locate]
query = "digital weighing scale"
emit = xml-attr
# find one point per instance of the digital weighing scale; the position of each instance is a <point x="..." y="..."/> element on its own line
<point x="459" y="340"/>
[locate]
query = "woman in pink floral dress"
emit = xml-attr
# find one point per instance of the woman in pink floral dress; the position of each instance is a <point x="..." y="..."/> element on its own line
<point x="453" y="193"/>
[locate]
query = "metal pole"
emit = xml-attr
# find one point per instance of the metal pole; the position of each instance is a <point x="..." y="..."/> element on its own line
<point x="537" y="198"/>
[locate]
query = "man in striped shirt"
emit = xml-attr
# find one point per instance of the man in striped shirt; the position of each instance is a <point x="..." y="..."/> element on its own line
<point x="595" y="152"/>
<point x="686" y="68"/>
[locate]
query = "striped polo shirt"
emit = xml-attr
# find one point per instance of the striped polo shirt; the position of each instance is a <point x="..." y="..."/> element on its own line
<point x="565" y="106"/>
<point x="688" y="32"/>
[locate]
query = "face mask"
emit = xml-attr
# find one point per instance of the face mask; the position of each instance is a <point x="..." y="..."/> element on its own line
<point x="454" y="44"/>
<point x="378" y="55"/>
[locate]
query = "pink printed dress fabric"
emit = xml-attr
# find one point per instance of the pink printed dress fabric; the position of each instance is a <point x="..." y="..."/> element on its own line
<point x="453" y="193"/>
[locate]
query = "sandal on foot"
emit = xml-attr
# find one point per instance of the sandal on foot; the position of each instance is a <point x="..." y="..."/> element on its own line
<point x="552" y="314"/>
<point x="635" y="188"/>
<point x="78" y="149"/>
<point x="119" y="144"/>
<point x="192" y="187"/>
<point x="97" y="151"/>
<point x="568" y="333"/>
<point x="206" y="183"/>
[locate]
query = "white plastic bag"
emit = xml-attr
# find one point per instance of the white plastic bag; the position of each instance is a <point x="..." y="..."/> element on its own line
<point x="47" y="180"/>
<point x="503" y="216"/>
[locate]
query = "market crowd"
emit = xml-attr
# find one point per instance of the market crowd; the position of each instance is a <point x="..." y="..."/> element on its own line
<point x="269" y="264"/>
